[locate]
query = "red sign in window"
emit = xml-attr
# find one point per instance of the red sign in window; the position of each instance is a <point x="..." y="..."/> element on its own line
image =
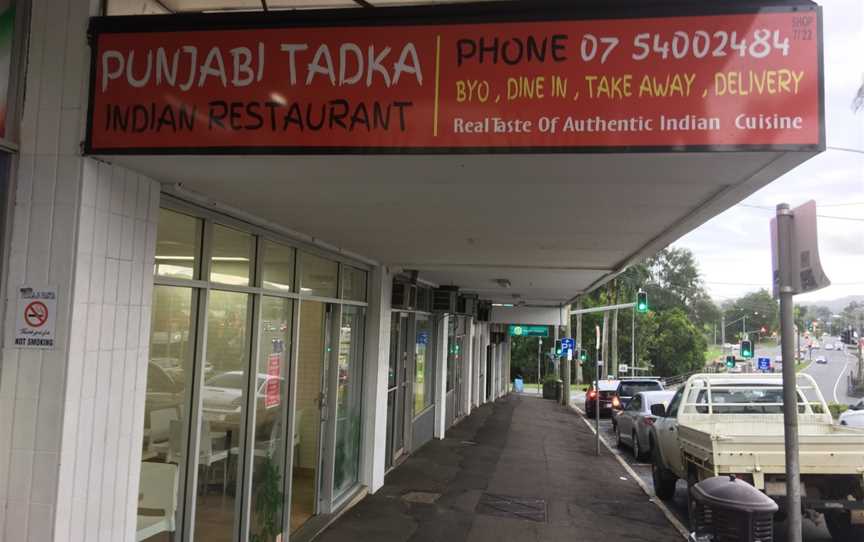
<point x="273" y="388"/>
<point x="729" y="81"/>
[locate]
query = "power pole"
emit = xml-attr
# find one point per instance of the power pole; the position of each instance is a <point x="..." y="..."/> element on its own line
<point x="614" y="342"/>
<point x="565" y="362"/>
<point x="790" y="388"/>
<point x="722" y="329"/>
<point x="579" y="377"/>
<point x="539" y="351"/>
<point x="604" y="351"/>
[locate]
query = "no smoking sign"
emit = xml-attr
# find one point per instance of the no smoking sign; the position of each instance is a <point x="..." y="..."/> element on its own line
<point x="36" y="318"/>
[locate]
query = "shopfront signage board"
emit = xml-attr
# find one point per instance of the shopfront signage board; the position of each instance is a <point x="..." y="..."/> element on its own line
<point x="527" y="331"/>
<point x="36" y="318"/>
<point x="442" y="80"/>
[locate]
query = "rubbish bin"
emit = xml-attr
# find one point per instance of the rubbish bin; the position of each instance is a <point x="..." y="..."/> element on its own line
<point x="730" y="510"/>
<point x="518" y="385"/>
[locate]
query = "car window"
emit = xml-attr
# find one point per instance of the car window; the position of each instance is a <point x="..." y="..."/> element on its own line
<point x="157" y="380"/>
<point x="635" y="404"/>
<point x="672" y="411"/>
<point x="227" y="380"/>
<point x="629" y="389"/>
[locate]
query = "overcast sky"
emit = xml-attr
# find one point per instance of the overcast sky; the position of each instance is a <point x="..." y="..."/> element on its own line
<point x="733" y="249"/>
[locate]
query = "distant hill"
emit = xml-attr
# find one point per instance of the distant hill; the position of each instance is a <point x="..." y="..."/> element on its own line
<point x="837" y="305"/>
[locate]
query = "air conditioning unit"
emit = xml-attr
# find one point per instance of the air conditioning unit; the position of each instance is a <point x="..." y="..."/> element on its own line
<point x="484" y="311"/>
<point x="404" y="296"/>
<point x="445" y="299"/>
<point x="468" y="304"/>
<point x="424" y="299"/>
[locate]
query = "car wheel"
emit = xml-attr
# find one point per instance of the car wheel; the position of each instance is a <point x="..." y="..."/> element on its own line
<point x="664" y="481"/>
<point x="618" y="441"/>
<point x="841" y="528"/>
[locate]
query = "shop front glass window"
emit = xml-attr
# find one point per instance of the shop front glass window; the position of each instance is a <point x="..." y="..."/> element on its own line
<point x="231" y="260"/>
<point x="178" y="245"/>
<point x="319" y="276"/>
<point x="353" y="283"/>
<point x="268" y="467"/>
<point x="277" y="266"/>
<point x="166" y="413"/>
<point x="423" y="364"/>
<point x="350" y="371"/>
<point x="222" y="399"/>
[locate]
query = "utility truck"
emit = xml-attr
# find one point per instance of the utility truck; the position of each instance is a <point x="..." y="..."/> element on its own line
<point x="721" y="424"/>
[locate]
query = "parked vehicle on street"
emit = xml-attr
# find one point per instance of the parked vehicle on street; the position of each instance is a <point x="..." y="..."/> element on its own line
<point x="636" y="420"/>
<point x="821" y="360"/>
<point x="606" y="389"/>
<point x="733" y="424"/>
<point x="829" y="346"/>
<point x="854" y="417"/>
<point x="627" y="389"/>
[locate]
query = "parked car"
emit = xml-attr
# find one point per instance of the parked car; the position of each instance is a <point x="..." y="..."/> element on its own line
<point x="854" y="417"/>
<point x="829" y="346"/>
<point x="222" y="398"/>
<point x="606" y="390"/>
<point x="821" y="360"/>
<point x="636" y="420"/>
<point x="627" y="389"/>
<point x="720" y="425"/>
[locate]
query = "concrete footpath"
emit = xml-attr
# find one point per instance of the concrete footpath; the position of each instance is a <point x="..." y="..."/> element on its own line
<point x="521" y="469"/>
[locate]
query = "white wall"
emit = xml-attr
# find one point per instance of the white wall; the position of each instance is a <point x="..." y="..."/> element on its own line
<point x="71" y="419"/>
<point x="374" y="445"/>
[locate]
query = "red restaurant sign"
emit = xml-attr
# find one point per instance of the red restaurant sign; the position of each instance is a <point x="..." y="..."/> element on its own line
<point x="683" y="82"/>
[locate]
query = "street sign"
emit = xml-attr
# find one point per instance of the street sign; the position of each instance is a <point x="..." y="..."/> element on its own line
<point x="764" y="364"/>
<point x="623" y="368"/>
<point x="804" y="268"/>
<point x="516" y="330"/>
<point x="568" y="343"/>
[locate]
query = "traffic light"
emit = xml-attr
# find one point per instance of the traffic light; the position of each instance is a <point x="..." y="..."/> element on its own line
<point x="583" y="354"/>
<point x="730" y="361"/>
<point x="558" y="350"/>
<point x="846" y="337"/>
<point x="642" y="301"/>
<point x="746" y="349"/>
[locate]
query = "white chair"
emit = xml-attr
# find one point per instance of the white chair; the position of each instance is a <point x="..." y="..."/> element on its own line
<point x="158" y="490"/>
<point x="160" y="429"/>
<point x="207" y="456"/>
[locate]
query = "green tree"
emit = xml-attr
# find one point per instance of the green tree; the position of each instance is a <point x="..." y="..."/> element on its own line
<point x="677" y="346"/>
<point x="675" y="282"/>
<point x="760" y="309"/>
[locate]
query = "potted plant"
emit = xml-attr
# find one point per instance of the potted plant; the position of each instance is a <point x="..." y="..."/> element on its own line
<point x="551" y="387"/>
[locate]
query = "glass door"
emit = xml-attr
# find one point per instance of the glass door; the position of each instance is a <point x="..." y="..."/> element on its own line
<point x="396" y="386"/>
<point x="310" y="413"/>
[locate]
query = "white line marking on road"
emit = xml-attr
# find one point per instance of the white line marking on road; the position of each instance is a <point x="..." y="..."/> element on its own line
<point x="839" y="378"/>
<point x="682" y="530"/>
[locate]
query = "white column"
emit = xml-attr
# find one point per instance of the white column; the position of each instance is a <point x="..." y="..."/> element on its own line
<point x="508" y="347"/>
<point x="468" y="367"/>
<point x="441" y="378"/>
<point x="475" y="367"/>
<point x="484" y="346"/>
<point x="374" y="443"/>
<point x="71" y="419"/>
